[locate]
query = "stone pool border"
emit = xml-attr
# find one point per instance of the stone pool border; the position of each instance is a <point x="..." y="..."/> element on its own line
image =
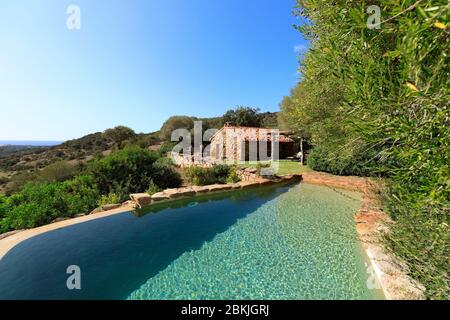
<point x="139" y="201"/>
<point x="371" y="221"/>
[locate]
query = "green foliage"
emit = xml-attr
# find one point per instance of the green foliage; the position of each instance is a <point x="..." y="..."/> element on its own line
<point x="119" y="134"/>
<point x="200" y="176"/>
<point x="19" y="180"/>
<point x="39" y="204"/>
<point x="243" y="116"/>
<point x="131" y="170"/>
<point x="3" y="207"/>
<point x="164" y="174"/>
<point x="111" y="198"/>
<point x="143" y="140"/>
<point x="221" y="172"/>
<point x="233" y="177"/>
<point x="56" y="172"/>
<point x="81" y="195"/>
<point x="124" y="171"/>
<point x="166" y="147"/>
<point x="173" y="123"/>
<point x="375" y="102"/>
<point x="109" y="180"/>
<point x="153" y="188"/>
<point x="350" y="161"/>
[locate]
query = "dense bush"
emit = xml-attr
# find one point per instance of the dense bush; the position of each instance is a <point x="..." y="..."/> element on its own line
<point x="3" y="208"/>
<point x="216" y="174"/>
<point x="174" y="123"/>
<point x="39" y="204"/>
<point x="108" y="180"/>
<point x="119" y="135"/>
<point x="123" y="172"/>
<point x="56" y="172"/>
<point x="166" y="147"/>
<point x="244" y="116"/>
<point x="375" y="102"/>
<point x="164" y="175"/>
<point x="153" y="188"/>
<point x="131" y="170"/>
<point x="199" y="176"/>
<point x="345" y="162"/>
<point x="111" y="198"/>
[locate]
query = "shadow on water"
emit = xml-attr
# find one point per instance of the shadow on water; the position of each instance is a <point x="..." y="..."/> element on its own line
<point x="119" y="253"/>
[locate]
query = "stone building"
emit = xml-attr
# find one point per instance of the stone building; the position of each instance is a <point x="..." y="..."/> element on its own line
<point x="234" y="143"/>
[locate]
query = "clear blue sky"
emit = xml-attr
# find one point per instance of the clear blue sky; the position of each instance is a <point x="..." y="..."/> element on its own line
<point x="136" y="63"/>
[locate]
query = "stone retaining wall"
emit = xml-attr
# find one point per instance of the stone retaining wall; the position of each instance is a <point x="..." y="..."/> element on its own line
<point x="184" y="161"/>
<point x="144" y="199"/>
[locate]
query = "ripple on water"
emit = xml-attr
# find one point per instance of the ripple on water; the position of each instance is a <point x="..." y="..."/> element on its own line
<point x="300" y="245"/>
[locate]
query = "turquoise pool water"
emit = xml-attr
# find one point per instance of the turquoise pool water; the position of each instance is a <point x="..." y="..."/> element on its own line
<point x="291" y="242"/>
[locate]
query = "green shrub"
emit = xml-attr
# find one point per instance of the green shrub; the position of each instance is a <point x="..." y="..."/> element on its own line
<point x="40" y="203"/>
<point x="166" y="147"/>
<point x="233" y="176"/>
<point x="341" y="162"/>
<point x="57" y="172"/>
<point x="131" y="170"/>
<point x="124" y="171"/>
<point x="111" y="198"/>
<point x="164" y="174"/>
<point x="199" y="176"/>
<point x="153" y="188"/>
<point x="221" y="172"/>
<point x="81" y="194"/>
<point x="3" y="206"/>
<point x="216" y="174"/>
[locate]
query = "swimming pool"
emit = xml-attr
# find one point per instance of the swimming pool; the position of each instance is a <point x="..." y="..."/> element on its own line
<point x="290" y="242"/>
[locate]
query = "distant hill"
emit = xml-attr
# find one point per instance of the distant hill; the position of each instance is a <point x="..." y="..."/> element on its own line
<point x="19" y="158"/>
<point x="8" y="150"/>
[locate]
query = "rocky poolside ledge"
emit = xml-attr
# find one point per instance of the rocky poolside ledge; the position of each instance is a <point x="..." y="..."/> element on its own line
<point x="142" y="200"/>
